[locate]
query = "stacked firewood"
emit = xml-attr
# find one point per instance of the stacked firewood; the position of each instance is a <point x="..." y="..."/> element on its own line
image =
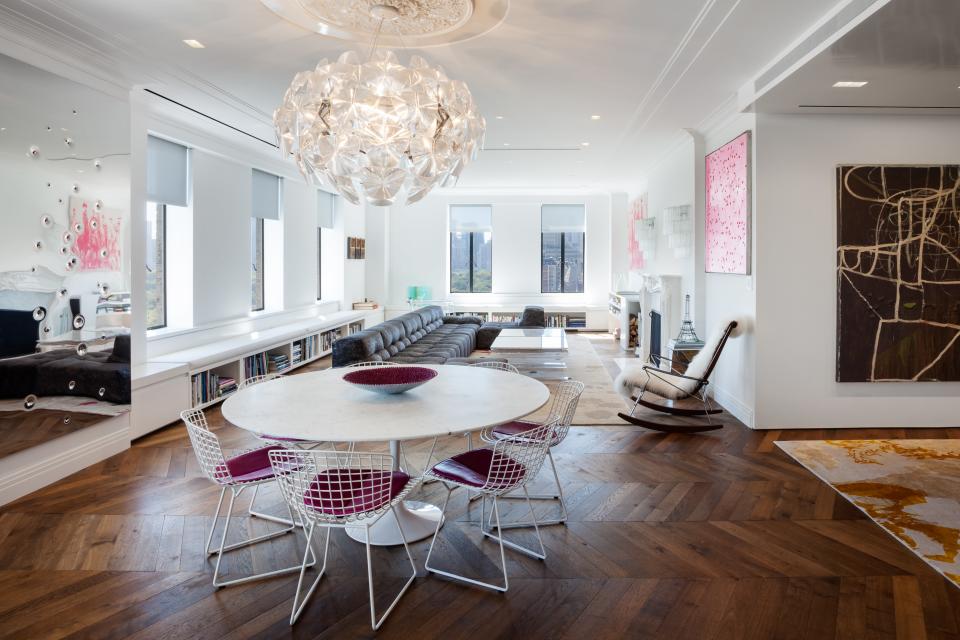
<point x="634" y="331"/>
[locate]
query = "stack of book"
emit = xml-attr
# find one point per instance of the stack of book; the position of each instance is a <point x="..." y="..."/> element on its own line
<point x="366" y="305"/>
<point x="278" y="362"/>
<point x="225" y="386"/>
<point x="296" y="350"/>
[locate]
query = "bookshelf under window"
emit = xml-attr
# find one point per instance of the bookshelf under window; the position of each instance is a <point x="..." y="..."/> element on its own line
<point x="214" y="383"/>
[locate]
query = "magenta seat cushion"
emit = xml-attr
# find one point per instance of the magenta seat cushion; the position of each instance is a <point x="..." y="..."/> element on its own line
<point x="472" y="468"/>
<point x="514" y="428"/>
<point x="517" y="428"/>
<point x="251" y="466"/>
<point x="344" y="492"/>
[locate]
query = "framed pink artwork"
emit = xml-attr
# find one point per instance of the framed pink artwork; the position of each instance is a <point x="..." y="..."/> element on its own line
<point x="728" y="208"/>
<point x="638" y="211"/>
<point x="97" y="235"/>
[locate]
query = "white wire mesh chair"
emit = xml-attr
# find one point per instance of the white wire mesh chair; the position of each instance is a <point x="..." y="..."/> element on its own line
<point x="494" y="364"/>
<point x="493" y="472"/>
<point x="566" y="397"/>
<point x="249" y="468"/>
<point x="497" y="366"/>
<point x="331" y="489"/>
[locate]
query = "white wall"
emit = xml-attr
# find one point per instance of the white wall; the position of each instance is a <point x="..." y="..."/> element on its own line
<point x="727" y="296"/>
<point x="672" y="184"/>
<point x="221" y="162"/>
<point x="419" y="251"/>
<point x="796" y="269"/>
<point x="353" y="224"/>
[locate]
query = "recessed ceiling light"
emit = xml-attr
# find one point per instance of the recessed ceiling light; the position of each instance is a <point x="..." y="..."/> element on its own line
<point x="584" y="144"/>
<point x="196" y="44"/>
<point x="499" y="117"/>
<point x="850" y="84"/>
<point x="594" y="117"/>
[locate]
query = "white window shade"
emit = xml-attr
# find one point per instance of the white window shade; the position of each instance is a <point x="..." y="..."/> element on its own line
<point x="325" y="204"/>
<point x="468" y="218"/>
<point x="167" y="173"/>
<point x="266" y="195"/>
<point x="562" y="218"/>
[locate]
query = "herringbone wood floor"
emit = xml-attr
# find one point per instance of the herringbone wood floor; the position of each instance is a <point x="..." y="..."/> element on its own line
<point x="711" y="536"/>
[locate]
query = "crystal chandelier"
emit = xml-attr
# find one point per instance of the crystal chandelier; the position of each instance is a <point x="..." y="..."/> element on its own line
<point x="379" y="130"/>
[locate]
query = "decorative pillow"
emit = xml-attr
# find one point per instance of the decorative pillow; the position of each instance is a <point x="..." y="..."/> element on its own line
<point x="18" y="333"/>
<point x="121" y="349"/>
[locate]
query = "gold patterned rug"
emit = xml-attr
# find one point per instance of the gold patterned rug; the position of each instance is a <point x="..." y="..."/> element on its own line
<point x="911" y="488"/>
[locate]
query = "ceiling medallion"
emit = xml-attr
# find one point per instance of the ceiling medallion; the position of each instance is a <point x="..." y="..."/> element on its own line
<point x="379" y="130"/>
<point x="420" y="23"/>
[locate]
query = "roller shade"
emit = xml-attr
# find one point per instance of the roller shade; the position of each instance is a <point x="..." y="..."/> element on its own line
<point x="467" y="218"/>
<point x="562" y="218"/>
<point x="167" y="172"/>
<point x="266" y="195"/>
<point x="325" y="204"/>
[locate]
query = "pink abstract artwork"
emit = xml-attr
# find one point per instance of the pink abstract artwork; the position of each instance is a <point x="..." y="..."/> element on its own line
<point x="638" y="211"/>
<point x="728" y="207"/>
<point x="97" y="245"/>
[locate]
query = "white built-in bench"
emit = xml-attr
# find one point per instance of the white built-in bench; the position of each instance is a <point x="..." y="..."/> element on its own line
<point x="173" y="382"/>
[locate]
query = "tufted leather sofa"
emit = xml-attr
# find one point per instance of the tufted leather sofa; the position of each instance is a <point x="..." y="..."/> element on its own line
<point x="424" y="336"/>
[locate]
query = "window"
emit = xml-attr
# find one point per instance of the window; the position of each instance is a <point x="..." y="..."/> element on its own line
<point x="471" y="249"/>
<point x="256" y="266"/>
<point x="265" y="206"/>
<point x="325" y="213"/>
<point x="561" y="248"/>
<point x="156" y="263"/>
<point x="168" y="177"/>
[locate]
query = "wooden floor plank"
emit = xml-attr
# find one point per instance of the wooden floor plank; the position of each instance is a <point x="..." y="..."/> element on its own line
<point x="717" y="535"/>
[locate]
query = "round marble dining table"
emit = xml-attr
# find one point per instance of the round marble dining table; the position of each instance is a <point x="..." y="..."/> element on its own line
<point x="322" y="407"/>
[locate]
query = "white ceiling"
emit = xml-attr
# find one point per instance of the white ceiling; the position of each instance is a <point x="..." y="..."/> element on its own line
<point x="908" y="52"/>
<point x="649" y="68"/>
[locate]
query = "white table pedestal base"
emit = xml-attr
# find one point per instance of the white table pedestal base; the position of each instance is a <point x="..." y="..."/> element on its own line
<point x="418" y="519"/>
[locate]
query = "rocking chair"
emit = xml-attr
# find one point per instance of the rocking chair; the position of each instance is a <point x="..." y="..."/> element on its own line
<point x="677" y="394"/>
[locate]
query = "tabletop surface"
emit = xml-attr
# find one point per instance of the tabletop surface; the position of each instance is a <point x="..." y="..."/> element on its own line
<point x="322" y="406"/>
<point x="531" y="339"/>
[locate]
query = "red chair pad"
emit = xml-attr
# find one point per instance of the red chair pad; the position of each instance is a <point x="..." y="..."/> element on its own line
<point x="344" y="492"/>
<point x="252" y="465"/>
<point x="473" y="467"/>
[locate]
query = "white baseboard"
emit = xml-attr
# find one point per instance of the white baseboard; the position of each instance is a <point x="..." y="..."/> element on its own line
<point x="734" y="405"/>
<point x="26" y="471"/>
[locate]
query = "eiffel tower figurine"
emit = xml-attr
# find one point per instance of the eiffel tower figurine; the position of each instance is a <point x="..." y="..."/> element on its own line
<point x="687" y="334"/>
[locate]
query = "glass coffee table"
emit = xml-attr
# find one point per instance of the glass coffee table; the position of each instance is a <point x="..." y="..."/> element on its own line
<point x="536" y="352"/>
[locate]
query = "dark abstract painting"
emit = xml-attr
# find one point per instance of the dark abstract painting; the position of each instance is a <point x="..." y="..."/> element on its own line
<point x="898" y="273"/>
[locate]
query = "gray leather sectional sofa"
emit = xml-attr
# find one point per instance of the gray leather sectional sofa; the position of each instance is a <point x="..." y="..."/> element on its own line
<point x="424" y="336"/>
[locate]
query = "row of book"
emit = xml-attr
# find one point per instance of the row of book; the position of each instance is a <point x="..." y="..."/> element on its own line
<point x="255" y="365"/>
<point x="567" y="322"/>
<point x="207" y="386"/>
<point x="327" y="339"/>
